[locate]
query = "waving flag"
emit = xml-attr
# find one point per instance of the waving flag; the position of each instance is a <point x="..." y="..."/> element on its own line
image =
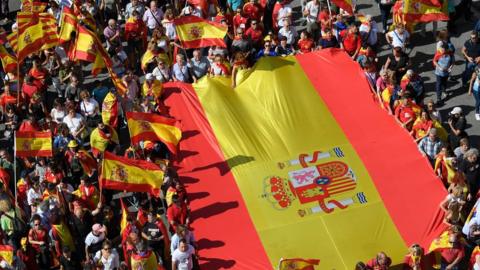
<point x="110" y="110"/>
<point x="299" y="167"/>
<point x="33" y="144"/>
<point x="419" y="11"/>
<point x="68" y="24"/>
<point x="9" y="62"/>
<point x="121" y="173"/>
<point x="85" y="47"/>
<point x="6" y="252"/>
<point x="195" y="32"/>
<point x="345" y="5"/>
<point x="153" y="127"/>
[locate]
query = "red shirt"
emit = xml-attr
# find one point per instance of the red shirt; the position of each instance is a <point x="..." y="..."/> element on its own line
<point x="29" y="89"/>
<point x="177" y="214"/>
<point x="37" y="235"/>
<point x="404" y="113"/>
<point x="450" y="254"/>
<point x="255" y="35"/>
<point x="351" y="42"/>
<point x="305" y="45"/>
<point x="239" y="20"/>
<point x="324" y="18"/>
<point x="373" y="264"/>
<point x="408" y="263"/>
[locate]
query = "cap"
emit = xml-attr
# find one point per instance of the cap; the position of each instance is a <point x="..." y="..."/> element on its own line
<point x="98" y="228"/>
<point x="72" y="143"/>
<point x="149" y="77"/>
<point x="456" y="110"/>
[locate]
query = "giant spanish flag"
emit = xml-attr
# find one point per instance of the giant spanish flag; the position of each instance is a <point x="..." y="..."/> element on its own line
<point x="195" y="32"/>
<point x="33" y="144"/>
<point x="302" y="165"/>
<point x="421" y="11"/>
<point x="154" y="127"/>
<point x="121" y="173"/>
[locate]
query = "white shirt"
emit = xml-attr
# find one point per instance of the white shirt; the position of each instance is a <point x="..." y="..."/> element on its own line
<point x="110" y="263"/>
<point x="92" y="239"/>
<point x="290" y="33"/>
<point x="313" y="11"/>
<point x="284" y="11"/>
<point x="183" y="260"/>
<point x="153" y="18"/>
<point x="88" y="108"/>
<point x="33" y="195"/>
<point x="398" y="40"/>
<point x="73" y="123"/>
<point x="57" y="116"/>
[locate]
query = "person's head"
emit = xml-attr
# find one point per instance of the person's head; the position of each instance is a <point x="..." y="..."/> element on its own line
<point x="197" y="54"/>
<point x="151" y="217"/>
<point x="239" y="32"/>
<point x="66" y="251"/>
<point x="456" y="112"/>
<point x="360" y="266"/>
<point x="267" y="45"/>
<point x="181" y="231"/>
<point x="101" y="125"/>
<point x="218" y="59"/>
<point x="180" y="59"/>
<point x="283" y="41"/>
<point x="183" y="245"/>
<point x="352" y="29"/>
<point x="107" y="247"/>
<point x="78" y="212"/>
<point x="416" y="250"/>
<point x="425" y="116"/>
<point x="153" y="5"/>
<point x="442" y="35"/>
<point x="254" y="24"/>
<point x="382" y="258"/>
<point x="474" y="36"/>
<point x="84" y="95"/>
<point x="135" y="14"/>
<point x="112" y="24"/>
<point x="464" y="144"/>
<point x="134" y="2"/>
<point x="304" y="35"/>
<point x="36" y="222"/>
<point x="400" y="28"/>
<point x="432" y="134"/>
<point x="286" y="23"/>
<point x="471" y="155"/>
<point x="98" y="229"/>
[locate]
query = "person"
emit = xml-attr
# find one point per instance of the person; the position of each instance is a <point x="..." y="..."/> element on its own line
<point x="474" y="89"/>
<point x="67" y="261"/>
<point x="289" y="32"/>
<point x="369" y="31"/>
<point x="94" y="240"/>
<point x="430" y="146"/>
<point x="134" y="5"/>
<point x="328" y="40"/>
<point x="380" y="262"/>
<point x="413" y="82"/>
<point x="421" y="126"/>
<point x="107" y="257"/>
<point x="199" y="65"/>
<point x="143" y="258"/>
<point x="462" y="148"/>
<point x="267" y="50"/>
<point x="152" y="233"/>
<point x="404" y="113"/>
<point x="75" y="123"/>
<point x="112" y="34"/>
<point x="182" y="232"/>
<point x="240" y="63"/>
<point x="443" y="63"/>
<point x="471" y="52"/>
<point x="470" y="167"/>
<point x="385" y="11"/>
<point x="38" y="239"/>
<point x="351" y="41"/>
<point x="457" y="124"/>
<point x="416" y="259"/>
<point x="90" y="109"/>
<point x="399" y="37"/>
<point x="153" y="17"/>
<point x="255" y="33"/>
<point x="162" y="72"/>
<point x="284" y="49"/>
<point x="311" y="12"/>
<point x="451" y="257"/>
<point x="399" y="63"/>
<point x="177" y="213"/>
<point x="182" y="257"/>
<point x="180" y="71"/>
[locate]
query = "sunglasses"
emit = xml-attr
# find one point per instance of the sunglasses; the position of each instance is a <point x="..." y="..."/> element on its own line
<point x="107" y="248"/>
<point x="38" y="224"/>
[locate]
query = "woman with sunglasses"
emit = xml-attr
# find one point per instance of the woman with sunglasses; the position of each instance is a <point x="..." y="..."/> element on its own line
<point x="415" y="259"/>
<point x="107" y="257"/>
<point x="38" y="239"/>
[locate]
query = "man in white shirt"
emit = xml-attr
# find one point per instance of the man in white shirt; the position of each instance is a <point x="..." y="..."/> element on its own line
<point x="398" y="37"/>
<point x="285" y="13"/>
<point x="289" y="32"/>
<point x="153" y="17"/>
<point x="182" y="256"/>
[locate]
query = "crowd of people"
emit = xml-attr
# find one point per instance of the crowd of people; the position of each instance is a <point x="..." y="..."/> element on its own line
<point x="62" y="219"/>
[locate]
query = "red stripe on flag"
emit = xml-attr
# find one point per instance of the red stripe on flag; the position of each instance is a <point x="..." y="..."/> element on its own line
<point x="207" y="171"/>
<point x="393" y="167"/>
<point x="35" y="153"/>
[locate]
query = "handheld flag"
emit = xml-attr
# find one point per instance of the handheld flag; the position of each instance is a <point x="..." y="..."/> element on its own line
<point x="31" y="144"/>
<point x="85" y="47"/>
<point x="148" y="126"/>
<point x="121" y="173"/>
<point x="6" y="252"/>
<point x="9" y="62"/>
<point x="195" y="32"/>
<point x="68" y="25"/>
<point x="110" y="110"/>
<point x="419" y="11"/>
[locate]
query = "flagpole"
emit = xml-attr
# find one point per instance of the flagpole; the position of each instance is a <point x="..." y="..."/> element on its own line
<point x="15" y="167"/>
<point x="329" y="8"/>
<point x="18" y="68"/>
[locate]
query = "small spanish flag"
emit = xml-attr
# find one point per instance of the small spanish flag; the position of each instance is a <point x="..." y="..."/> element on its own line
<point x="121" y="173"/>
<point x="35" y="32"/>
<point x="31" y="144"/>
<point x="99" y="140"/>
<point x="6" y="252"/>
<point x="68" y="24"/>
<point x="85" y="47"/>
<point x="9" y="62"/>
<point x="298" y="264"/>
<point x="110" y="110"/>
<point x="195" y="32"/>
<point x="149" y="126"/>
<point x="147" y="57"/>
<point x="422" y="11"/>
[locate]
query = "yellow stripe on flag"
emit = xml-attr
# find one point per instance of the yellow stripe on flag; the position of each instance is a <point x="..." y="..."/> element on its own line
<point x="170" y="134"/>
<point x="263" y="128"/>
<point x="204" y="30"/>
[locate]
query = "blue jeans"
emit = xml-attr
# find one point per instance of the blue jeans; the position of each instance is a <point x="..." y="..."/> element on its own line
<point x="467" y="74"/>
<point x="441" y="86"/>
<point x="476" y="95"/>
